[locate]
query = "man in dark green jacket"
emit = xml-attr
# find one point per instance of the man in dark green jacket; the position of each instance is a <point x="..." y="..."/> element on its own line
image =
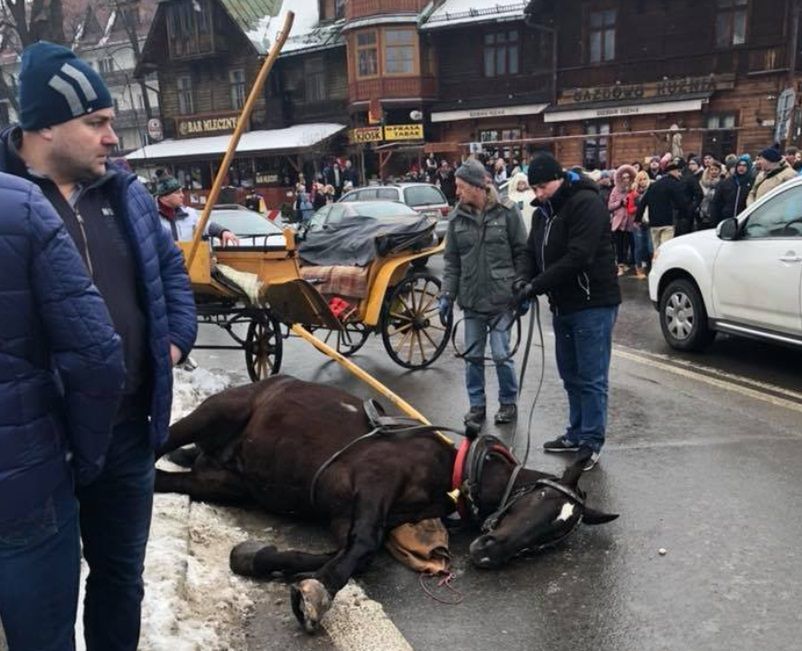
<point x="485" y="251"/>
<point x="570" y="259"/>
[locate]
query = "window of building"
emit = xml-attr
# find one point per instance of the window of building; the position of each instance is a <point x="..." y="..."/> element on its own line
<point x="731" y="22"/>
<point x="367" y="54"/>
<point x="188" y="27"/>
<point x="186" y="103"/>
<point x="236" y="79"/>
<point x="502" y="53"/>
<point x="601" y="35"/>
<point x="105" y="66"/>
<point x="399" y="51"/>
<point x="595" y="150"/>
<point x="509" y="152"/>
<point x="720" y="137"/>
<point x="339" y="9"/>
<point x="314" y="80"/>
<point x="120" y="143"/>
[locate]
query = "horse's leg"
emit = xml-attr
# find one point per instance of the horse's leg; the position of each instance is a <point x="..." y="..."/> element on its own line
<point x="311" y="598"/>
<point x="206" y="484"/>
<point x="257" y="560"/>
<point x="254" y="559"/>
<point x="218" y="418"/>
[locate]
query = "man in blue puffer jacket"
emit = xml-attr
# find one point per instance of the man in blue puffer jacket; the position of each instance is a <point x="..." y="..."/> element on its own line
<point x="62" y="144"/>
<point x="61" y="378"/>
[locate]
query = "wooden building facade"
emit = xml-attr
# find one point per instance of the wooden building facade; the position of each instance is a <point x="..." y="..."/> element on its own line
<point x="631" y="71"/>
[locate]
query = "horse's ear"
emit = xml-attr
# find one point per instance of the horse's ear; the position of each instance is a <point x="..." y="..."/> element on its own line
<point x="592" y="516"/>
<point x="573" y="473"/>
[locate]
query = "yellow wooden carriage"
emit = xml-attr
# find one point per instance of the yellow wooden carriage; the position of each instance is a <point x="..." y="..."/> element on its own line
<point x="400" y="304"/>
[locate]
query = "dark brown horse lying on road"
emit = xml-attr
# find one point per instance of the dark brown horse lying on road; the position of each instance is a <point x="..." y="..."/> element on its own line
<point x="269" y="442"/>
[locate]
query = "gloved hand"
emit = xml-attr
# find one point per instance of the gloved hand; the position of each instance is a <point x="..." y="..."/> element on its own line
<point x="521" y="291"/>
<point x="445" y="305"/>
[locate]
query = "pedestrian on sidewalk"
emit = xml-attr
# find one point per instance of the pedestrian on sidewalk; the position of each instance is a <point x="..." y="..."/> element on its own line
<point x="666" y="203"/>
<point x="570" y="258"/>
<point x="179" y="220"/>
<point x="774" y="171"/>
<point x="61" y="376"/>
<point x="62" y="144"/>
<point x="643" y="240"/>
<point x="730" y="199"/>
<point x="621" y="222"/>
<point x="485" y="251"/>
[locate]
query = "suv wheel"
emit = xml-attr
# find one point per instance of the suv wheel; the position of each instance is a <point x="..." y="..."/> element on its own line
<point x="683" y="317"/>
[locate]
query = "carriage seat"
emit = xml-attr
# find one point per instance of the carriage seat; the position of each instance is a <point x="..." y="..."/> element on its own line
<point x="338" y="280"/>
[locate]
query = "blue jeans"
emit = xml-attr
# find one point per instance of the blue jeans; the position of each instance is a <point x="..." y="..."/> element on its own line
<point x="40" y="563"/>
<point x="643" y="246"/>
<point x="583" y="342"/>
<point x="115" y="523"/>
<point x="476" y="331"/>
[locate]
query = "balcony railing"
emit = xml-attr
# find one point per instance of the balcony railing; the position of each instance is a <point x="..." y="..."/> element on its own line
<point x="360" y="8"/>
<point x="392" y="87"/>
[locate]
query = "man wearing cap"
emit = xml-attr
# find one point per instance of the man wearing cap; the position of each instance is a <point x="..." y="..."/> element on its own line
<point x="570" y="259"/>
<point x="667" y="203"/>
<point x="774" y="171"/>
<point x="62" y="144"/>
<point x="485" y="250"/>
<point x="180" y="221"/>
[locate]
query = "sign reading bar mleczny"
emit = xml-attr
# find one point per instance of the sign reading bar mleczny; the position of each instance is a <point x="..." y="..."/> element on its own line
<point x="205" y="126"/>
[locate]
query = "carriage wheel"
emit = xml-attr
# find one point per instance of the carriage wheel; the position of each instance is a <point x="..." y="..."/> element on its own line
<point x="348" y="342"/>
<point x="263" y="346"/>
<point x="411" y="330"/>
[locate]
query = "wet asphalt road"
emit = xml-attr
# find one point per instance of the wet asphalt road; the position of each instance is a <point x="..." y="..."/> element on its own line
<point x="702" y="459"/>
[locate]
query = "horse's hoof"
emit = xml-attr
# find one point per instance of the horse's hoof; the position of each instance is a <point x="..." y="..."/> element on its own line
<point x="310" y="601"/>
<point x="243" y="557"/>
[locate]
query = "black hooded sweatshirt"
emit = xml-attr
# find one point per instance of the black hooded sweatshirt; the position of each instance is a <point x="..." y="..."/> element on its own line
<point x="570" y="254"/>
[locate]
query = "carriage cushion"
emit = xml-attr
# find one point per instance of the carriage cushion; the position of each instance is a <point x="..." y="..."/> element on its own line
<point x="338" y="280"/>
<point x="421" y="546"/>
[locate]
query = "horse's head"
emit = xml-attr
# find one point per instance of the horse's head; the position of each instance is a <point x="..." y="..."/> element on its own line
<point x="536" y="515"/>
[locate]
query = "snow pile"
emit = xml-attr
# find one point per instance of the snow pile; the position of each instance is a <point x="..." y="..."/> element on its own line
<point x="453" y="12"/>
<point x="192" y="388"/>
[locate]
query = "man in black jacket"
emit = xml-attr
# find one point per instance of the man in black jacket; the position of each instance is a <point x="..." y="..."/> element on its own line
<point x="667" y="204"/>
<point x="570" y="259"/>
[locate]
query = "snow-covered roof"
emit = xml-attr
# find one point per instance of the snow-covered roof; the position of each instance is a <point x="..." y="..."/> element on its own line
<point x="457" y="12"/>
<point x="306" y="33"/>
<point x="299" y="136"/>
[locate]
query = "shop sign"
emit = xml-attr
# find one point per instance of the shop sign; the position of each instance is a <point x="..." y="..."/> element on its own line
<point x="155" y="129"/>
<point x="403" y="132"/>
<point x="650" y="90"/>
<point x="366" y="134"/>
<point x="206" y="126"/>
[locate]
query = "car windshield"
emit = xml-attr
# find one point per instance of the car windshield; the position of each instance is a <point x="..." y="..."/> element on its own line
<point x="423" y="195"/>
<point x="244" y="222"/>
<point x="380" y="209"/>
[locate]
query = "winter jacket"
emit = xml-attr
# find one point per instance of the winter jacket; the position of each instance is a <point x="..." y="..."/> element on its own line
<point x="180" y="223"/>
<point x="570" y="253"/>
<point x="620" y="219"/>
<point x="767" y="181"/>
<point x="164" y="285"/>
<point x="523" y="200"/>
<point x="705" y="217"/>
<point x="666" y="201"/>
<point x="483" y="255"/>
<point x="61" y="363"/>
<point x="730" y="199"/>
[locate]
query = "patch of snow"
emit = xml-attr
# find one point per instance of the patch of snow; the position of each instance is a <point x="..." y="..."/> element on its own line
<point x="264" y="33"/>
<point x="453" y="12"/>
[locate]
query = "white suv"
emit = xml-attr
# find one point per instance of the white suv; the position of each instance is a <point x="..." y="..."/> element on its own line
<point x="743" y="278"/>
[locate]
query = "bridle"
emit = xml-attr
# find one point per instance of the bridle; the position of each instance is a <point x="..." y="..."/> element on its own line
<point x="467" y="476"/>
